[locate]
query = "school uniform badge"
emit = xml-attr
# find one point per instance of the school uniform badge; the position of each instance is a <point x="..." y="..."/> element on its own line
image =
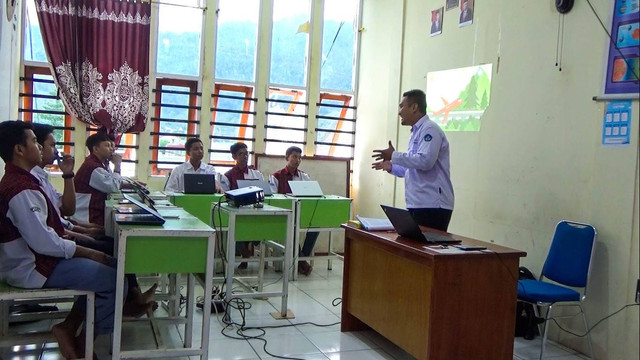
<point x="428" y="137"/>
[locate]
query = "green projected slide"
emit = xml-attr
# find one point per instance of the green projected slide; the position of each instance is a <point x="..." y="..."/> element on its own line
<point x="457" y="98"/>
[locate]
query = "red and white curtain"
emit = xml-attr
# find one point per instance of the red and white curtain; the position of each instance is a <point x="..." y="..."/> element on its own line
<point x="99" y="54"/>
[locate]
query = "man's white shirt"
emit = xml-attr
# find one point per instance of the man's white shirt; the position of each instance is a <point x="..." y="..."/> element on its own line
<point x="176" y="179"/>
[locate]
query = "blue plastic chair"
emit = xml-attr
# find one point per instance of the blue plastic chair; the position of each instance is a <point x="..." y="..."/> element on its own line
<point x="568" y="266"/>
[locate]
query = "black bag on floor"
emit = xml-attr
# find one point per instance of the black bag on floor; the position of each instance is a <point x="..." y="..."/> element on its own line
<point x="526" y="321"/>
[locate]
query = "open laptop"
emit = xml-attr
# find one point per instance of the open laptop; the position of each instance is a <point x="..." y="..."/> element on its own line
<point x="406" y="226"/>
<point x="150" y="217"/>
<point x="305" y="188"/>
<point x="199" y="183"/>
<point x="264" y="185"/>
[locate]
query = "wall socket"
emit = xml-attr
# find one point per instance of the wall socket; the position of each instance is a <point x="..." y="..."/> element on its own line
<point x="638" y="292"/>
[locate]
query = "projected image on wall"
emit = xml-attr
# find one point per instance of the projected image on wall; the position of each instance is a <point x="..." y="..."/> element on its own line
<point x="457" y="98"/>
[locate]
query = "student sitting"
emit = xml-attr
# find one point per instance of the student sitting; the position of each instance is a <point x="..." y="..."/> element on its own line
<point x="84" y="234"/>
<point x="279" y="182"/>
<point x="33" y="253"/>
<point x="241" y="171"/>
<point x="195" y="150"/>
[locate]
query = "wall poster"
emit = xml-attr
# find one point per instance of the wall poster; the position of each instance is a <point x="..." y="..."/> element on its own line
<point x="623" y="65"/>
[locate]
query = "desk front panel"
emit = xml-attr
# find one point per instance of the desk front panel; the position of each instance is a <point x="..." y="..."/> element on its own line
<point x="261" y="227"/>
<point x="324" y="212"/>
<point x="199" y="205"/>
<point x="434" y="305"/>
<point x="171" y="255"/>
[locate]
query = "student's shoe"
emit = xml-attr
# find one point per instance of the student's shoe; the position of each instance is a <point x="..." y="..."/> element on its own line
<point x="304" y="268"/>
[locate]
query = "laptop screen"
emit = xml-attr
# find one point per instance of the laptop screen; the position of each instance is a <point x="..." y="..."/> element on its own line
<point x="142" y="206"/>
<point x="264" y="185"/>
<point x="305" y="188"/>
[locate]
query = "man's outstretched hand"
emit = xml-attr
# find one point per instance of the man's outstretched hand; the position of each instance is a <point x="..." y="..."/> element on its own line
<point x="384" y="155"/>
<point x="382" y="165"/>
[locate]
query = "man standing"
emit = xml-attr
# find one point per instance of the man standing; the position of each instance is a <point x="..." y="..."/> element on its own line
<point x="195" y="150"/>
<point x="279" y="182"/>
<point x="425" y="166"/>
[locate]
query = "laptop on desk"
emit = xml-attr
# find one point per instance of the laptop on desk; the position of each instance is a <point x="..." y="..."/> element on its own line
<point x="264" y="185"/>
<point x="406" y="226"/>
<point x="150" y="217"/>
<point x="305" y="189"/>
<point x="199" y="183"/>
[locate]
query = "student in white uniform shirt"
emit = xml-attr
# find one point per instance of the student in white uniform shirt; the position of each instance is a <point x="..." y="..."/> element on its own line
<point x="195" y="150"/>
<point x="65" y="203"/>
<point x="425" y="166"/>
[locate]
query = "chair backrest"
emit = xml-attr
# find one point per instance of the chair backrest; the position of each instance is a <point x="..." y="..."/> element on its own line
<point x="570" y="255"/>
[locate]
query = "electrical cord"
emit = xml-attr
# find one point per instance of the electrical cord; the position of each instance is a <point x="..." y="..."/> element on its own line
<point x="597" y="323"/>
<point x="241" y="332"/>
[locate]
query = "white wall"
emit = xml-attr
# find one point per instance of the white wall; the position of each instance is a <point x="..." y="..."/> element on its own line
<point x="538" y="157"/>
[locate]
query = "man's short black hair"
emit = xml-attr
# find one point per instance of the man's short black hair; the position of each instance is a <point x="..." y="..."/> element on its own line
<point x="42" y="131"/>
<point x="417" y="96"/>
<point x="190" y="142"/>
<point x="12" y="133"/>
<point x="97" y="138"/>
<point x="237" y="147"/>
<point x="292" y="149"/>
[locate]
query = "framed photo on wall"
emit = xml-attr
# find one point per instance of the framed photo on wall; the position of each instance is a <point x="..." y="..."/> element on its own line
<point x="452" y="4"/>
<point x="436" y="22"/>
<point x="466" y="12"/>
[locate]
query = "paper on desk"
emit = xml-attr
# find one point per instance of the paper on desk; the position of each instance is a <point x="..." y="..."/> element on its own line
<point x="446" y="250"/>
<point x="374" y="224"/>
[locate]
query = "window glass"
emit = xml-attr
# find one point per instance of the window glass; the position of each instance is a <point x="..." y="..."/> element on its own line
<point x="289" y="42"/>
<point x="33" y="45"/>
<point x="338" y="44"/>
<point x="166" y="127"/>
<point x="47" y="104"/>
<point x="289" y="119"/>
<point x="237" y="40"/>
<point x="179" y="34"/>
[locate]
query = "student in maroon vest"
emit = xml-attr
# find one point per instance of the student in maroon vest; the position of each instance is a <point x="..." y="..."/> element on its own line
<point x="279" y="182"/>
<point x="241" y="171"/>
<point x="33" y="253"/>
<point x="94" y="180"/>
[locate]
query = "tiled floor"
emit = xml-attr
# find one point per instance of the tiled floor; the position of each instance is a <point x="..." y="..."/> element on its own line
<point x="310" y="299"/>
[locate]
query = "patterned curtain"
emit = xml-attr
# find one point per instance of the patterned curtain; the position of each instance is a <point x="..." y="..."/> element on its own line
<point x="99" y="54"/>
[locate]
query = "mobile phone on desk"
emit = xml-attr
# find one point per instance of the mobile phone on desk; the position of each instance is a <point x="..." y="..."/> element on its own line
<point x="470" y="247"/>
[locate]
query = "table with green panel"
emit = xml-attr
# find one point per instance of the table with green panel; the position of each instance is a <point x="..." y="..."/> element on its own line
<point x="182" y="245"/>
<point x="322" y="213"/>
<point x="264" y="224"/>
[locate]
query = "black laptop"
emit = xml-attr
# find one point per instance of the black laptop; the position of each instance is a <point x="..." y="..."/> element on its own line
<point x="406" y="226"/>
<point x="199" y="183"/>
<point x="150" y="217"/>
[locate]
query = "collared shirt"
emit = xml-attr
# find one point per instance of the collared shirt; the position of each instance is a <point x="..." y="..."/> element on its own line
<point x="425" y="167"/>
<point x="30" y="230"/>
<point x="176" y="179"/>
<point x="230" y="179"/>
<point x="54" y="196"/>
<point x="279" y="180"/>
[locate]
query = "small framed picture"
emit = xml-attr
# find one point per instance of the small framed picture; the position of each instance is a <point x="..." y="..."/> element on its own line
<point x="466" y="12"/>
<point x="452" y="4"/>
<point x="436" y="22"/>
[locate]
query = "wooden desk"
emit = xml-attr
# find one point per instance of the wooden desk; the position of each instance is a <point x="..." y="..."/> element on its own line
<point x="434" y="305"/>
